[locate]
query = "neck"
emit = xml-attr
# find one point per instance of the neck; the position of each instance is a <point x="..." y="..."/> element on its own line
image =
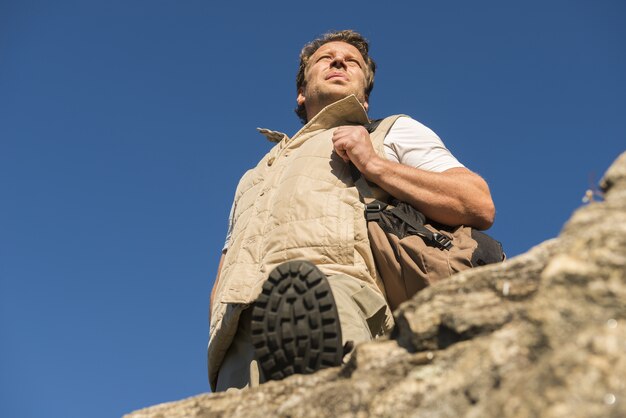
<point x="316" y="107"/>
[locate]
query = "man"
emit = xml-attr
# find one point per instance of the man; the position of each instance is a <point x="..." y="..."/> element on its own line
<point x="296" y="284"/>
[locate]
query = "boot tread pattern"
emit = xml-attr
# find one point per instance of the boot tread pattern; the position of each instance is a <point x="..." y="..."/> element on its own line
<point x="295" y="325"/>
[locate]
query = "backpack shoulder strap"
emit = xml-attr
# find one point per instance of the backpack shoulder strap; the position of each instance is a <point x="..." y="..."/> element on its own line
<point x="378" y="129"/>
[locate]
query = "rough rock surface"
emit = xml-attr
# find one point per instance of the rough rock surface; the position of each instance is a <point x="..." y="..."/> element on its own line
<point x="541" y="335"/>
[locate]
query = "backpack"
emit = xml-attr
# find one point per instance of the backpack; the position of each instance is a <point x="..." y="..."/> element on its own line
<point x="411" y="251"/>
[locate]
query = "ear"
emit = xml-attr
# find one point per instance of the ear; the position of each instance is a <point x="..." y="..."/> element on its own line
<point x="300" y="98"/>
<point x="366" y="105"/>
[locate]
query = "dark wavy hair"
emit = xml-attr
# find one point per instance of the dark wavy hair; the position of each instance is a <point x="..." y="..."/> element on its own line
<point x="348" y="36"/>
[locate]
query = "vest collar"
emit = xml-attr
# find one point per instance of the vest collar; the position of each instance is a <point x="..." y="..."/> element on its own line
<point x="347" y="111"/>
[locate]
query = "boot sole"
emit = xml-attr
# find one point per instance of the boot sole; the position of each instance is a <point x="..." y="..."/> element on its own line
<point x="295" y="324"/>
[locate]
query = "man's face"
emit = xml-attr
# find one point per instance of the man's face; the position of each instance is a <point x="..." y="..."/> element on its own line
<point x="336" y="70"/>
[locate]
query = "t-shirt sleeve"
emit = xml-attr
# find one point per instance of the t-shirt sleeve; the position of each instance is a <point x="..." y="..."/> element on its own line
<point x="411" y="143"/>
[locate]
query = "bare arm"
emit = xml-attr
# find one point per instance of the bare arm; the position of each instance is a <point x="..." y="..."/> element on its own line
<point x="217" y="278"/>
<point x="453" y="197"/>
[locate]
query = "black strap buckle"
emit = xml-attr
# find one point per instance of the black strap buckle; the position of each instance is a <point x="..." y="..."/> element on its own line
<point x="442" y="241"/>
<point x="372" y="211"/>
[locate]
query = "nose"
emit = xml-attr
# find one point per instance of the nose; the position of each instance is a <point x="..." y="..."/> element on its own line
<point x="338" y="62"/>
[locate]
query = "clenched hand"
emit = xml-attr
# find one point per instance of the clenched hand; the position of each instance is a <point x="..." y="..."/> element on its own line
<point x="353" y="143"/>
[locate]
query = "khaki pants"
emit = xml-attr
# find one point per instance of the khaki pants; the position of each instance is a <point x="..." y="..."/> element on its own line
<point x="363" y="315"/>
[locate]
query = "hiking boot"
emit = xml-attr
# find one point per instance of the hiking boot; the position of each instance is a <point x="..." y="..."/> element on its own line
<point x="295" y="324"/>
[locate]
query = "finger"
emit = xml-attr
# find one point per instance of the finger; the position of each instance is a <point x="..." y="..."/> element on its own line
<point x="343" y="131"/>
<point x="339" y="134"/>
<point x="341" y="151"/>
<point x="342" y="155"/>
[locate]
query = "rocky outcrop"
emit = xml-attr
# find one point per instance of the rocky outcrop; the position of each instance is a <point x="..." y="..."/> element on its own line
<point x="540" y="335"/>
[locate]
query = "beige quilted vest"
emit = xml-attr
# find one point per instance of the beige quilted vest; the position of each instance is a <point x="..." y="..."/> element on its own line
<point x="297" y="203"/>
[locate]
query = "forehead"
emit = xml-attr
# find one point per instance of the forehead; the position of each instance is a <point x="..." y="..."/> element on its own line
<point x="335" y="47"/>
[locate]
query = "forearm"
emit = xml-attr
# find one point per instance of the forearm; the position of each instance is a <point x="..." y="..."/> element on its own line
<point x="454" y="197"/>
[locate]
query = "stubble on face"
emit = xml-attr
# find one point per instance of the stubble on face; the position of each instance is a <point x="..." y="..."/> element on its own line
<point x="336" y="70"/>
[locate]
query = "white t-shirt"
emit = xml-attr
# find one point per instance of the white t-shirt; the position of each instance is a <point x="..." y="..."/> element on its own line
<point x="410" y="143"/>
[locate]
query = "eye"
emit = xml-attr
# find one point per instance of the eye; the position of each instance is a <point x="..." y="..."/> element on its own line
<point x="324" y="58"/>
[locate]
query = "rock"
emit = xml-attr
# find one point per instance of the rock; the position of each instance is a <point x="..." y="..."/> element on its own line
<point x="542" y="334"/>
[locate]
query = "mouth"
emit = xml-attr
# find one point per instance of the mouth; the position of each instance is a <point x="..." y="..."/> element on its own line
<point x="335" y="75"/>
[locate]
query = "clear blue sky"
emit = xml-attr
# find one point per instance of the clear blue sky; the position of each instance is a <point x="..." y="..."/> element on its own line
<point x="125" y="126"/>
